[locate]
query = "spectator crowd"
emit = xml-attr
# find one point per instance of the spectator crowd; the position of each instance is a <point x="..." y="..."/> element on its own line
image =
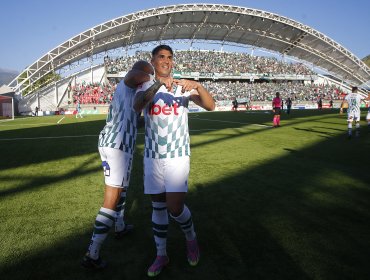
<point x="206" y="62"/>
<point x="222" y="91"/>
<point x="299" y="92"/>
<point x="92" y="93"/>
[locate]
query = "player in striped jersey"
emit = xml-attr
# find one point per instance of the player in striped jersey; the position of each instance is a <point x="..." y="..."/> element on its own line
<point x="116" y="148"/>
<point x="353" y="112"/>
<point x="167" y="151"/>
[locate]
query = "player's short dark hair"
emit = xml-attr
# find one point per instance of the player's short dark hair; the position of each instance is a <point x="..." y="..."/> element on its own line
<point x="161" y="47"/>
<point x="354" y="88"/>
<point x="142" y="65"/>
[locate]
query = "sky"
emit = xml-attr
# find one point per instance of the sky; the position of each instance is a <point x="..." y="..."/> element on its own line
<point x="31" y="28"/>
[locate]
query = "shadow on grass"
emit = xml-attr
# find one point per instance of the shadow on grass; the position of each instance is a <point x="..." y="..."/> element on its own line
<point x="43" y="149"/>
<point x="289" y="218"/>
<point x="40" y="149"/>
<point x="47" y="180"/>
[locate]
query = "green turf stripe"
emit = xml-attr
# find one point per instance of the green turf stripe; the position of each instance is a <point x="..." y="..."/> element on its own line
<point x="101" y="230"/>
<point x="159" y="227"/>
<point x="100" y="224"/>
<point x="187" y="222"/>
<point x="106" y="215"/>
<point x="160" y="234"/>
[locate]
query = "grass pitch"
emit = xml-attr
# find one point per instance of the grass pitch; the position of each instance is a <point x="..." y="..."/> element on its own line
<point x="284" y="203"/>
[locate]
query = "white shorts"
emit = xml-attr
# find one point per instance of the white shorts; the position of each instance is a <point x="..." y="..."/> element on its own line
<point x="352" y="116"/>
<point x="117" y="167"/>
<point x="166" y="175"/>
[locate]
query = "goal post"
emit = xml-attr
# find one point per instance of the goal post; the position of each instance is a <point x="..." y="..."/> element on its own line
<point x="6" y="108"/>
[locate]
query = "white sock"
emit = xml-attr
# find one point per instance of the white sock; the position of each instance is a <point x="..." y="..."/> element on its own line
<point x="120" y="213"/>
<point x="103" y="222"/>
<point x="186" y="223"/>
<point x="349" y="128"/>
<point x="160" y="226"/>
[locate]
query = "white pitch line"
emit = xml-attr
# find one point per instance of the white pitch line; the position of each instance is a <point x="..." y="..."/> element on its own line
<point x="60" y="120"/>
<point x="70" y="136"/>
<point x="29" y="124"/>
<point x="81" y="136"/>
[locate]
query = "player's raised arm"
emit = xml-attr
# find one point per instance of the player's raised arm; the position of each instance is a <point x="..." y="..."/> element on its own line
<point x="144" y="96"/>
<point x="145" y="93"/>
<point x="140" y="73"/>
<point x="199" y="95"/>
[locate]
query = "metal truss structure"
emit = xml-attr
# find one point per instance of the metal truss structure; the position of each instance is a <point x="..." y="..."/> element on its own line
<point x="210" y="22"/>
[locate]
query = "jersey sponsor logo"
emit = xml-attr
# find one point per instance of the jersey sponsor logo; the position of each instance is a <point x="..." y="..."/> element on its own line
<point x="157" y="109"/>
<point x="171" y="104"/>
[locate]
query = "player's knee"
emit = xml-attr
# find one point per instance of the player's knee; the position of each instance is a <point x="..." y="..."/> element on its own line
<point x="175" y="212"/>
<point x="175" y="209"/>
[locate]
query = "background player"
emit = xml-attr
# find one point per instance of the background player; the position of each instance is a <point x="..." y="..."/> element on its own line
<point x="353" y="100"/>
<point x="288" y="105"/>
<point x="235" y="105"/>
<point x="167" y="151"/>
<point x="79" y="110"/>
<point x="116" y="147"/>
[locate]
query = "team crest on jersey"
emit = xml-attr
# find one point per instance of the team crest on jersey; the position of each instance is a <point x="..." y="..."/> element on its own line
<point x="170" y="99"/>
<point x="106" y="168"/>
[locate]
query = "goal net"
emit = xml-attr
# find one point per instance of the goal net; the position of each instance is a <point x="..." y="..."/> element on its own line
<point x="6" y="108"/>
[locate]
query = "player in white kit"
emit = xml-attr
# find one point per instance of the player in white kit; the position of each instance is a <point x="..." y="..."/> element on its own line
<point x="116" y="148"/>
<point x="353" y="112"/>
<point x="167" y="151"/>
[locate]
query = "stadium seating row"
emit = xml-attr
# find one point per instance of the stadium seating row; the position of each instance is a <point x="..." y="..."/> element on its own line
<point x="223" y="92"/>
<point x="213" y="62"/>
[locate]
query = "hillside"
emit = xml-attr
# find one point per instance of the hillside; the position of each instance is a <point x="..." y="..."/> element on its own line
<point x="367" y="60"/>
<point x="6" y="76"/>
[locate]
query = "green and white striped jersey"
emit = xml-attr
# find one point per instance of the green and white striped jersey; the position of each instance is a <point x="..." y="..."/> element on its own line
<point x="121" y="123"/>
<point x="354" y="100"/>
<point x="166" y="123"/>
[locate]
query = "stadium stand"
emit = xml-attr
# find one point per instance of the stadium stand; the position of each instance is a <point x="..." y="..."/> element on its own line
<point x="266" y="91"/>
<point x="215" y="63"/>
<point x="210" y="62"/>
<point x="222" y="73"/>
<point x="92" y="93"/>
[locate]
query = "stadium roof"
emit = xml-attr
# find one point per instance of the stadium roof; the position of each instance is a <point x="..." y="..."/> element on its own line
<point x="210" y="22"/>
<point x="4" y="89"/>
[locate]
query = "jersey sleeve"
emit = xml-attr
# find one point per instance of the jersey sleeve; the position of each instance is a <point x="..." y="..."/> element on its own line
<point x="145" y="86"/>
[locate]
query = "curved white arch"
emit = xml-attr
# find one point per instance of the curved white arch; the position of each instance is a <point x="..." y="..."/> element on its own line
<point x="217" y="22"/>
